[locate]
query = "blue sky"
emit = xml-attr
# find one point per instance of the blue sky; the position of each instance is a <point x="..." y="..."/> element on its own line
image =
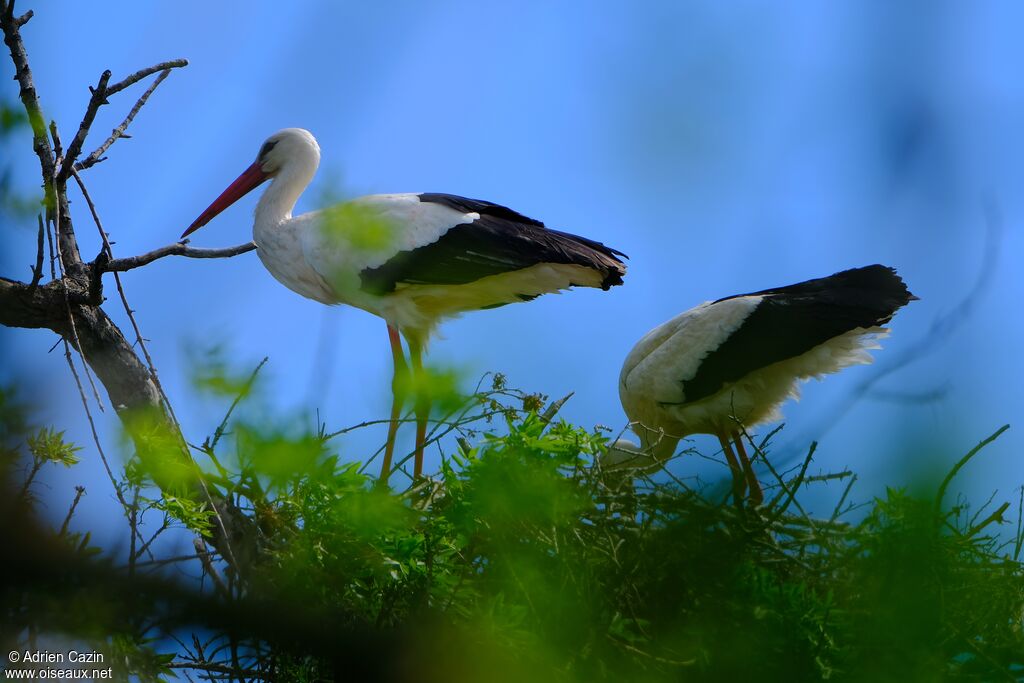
<point x="726" y="147"/>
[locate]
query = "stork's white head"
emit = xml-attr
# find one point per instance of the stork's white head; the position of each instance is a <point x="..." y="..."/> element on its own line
<point x="291" y="150"/>
<point x="654" y="450"/>
<point x="289" y="156"/>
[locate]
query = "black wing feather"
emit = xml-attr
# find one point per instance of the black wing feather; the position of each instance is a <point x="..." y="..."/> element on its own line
<point x="500" y="241"/>
<point x="792" y="320"/>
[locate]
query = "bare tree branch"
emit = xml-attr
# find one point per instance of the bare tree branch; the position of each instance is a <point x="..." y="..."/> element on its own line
<point x="41" y="307"/>
<point x="27" y="88"/>
<point x="70" y="304"/>
<point x="168" y="409"/>
<point x="100" y="93"/>
<point x="108" y="251"/>
<point x="148" y="71"/>
<point x="97" y="155"/>
<point x="119" y="265"/>
<point x="37" y="269"/>
<point x="126" y="379"/>
<point x="54" y="200"/>
<point x="96" y="100"/>
<point x="963" y="461"/>
<point x="74" y="334"/>
<point x="79" y="492"/>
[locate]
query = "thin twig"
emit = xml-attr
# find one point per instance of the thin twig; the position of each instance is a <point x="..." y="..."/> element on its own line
<point x="142" y="73"/>
<point x="153" y="373"/>
<point x="96" y="155"/>
<point x="95" y="434"/>
<point x="828" y="476"/>
<point x="99" y="96"/>
<point x="53" y="260"/>
<point x="219" y="432"/>
<point x="171" y="560"/>
<point x="204" y="556"/>
<point x="79" y="491"/>
<point x="838" y="510"/>
<point x="980" y="510"/>
<point x="231" y="672"/>
<point x="134" y="519"/>
<point x="71" y="316"/>
<point x="1018" y="542"/>
<point x="37" y="270"/>
<point x="96" y="100"/>
<point x="145" y="546"/>
<point x="790" y="489"/>
<point x="120" y="290"/>
<point x="996" y="516"/>
<point x="37" y="464"/>
<point x="58" y="149"/>
<point x="121" y="265"/>
<point x="555" y="406"/>
<point x="963" y="461"/>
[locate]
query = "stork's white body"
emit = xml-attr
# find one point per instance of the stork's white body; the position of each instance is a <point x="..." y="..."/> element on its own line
<point x="653" y="376"/>
<point x="732" y="363"/>
<point x="412" y="259"/>
<point x="316" y="256"/>
<point x="324" y="254"/>
<point x="652" y="380"/>
<point x="321" y="259"/>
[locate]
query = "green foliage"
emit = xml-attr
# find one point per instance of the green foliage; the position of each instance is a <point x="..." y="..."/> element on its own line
<point x="356" y="233"/>
<point x="11" y="118"/>
<point x="520" y="560"/>
<point x="196" y="516"/>
<point x="213" y="373"/>
<point x="358" y="227"/>
<point x="48" y="445"/>
<point x="520" y="552"/>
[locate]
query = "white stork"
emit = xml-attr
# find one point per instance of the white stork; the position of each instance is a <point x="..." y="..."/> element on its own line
<point x="412" y="259"/>
<point x="732" y="363"/>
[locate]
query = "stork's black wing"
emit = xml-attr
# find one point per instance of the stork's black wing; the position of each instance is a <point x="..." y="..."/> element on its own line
<point x="790" y="321"/>
<point x="499" y="241"/>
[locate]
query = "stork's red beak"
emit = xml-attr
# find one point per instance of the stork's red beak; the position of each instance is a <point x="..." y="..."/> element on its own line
<point x="243" y="185"/>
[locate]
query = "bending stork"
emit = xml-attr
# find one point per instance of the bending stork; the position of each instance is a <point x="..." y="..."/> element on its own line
<point x="734" y="362"/>
<point x="412" y="259"/>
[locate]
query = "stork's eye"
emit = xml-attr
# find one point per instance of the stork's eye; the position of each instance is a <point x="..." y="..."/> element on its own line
<point x="265" y="149"/>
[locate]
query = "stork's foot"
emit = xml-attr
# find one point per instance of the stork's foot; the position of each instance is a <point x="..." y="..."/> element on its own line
<point x="756" y="494"/>
<point x="398" y="389"/>
<point x="739" y="485"/>
<point x="421" y="383"/>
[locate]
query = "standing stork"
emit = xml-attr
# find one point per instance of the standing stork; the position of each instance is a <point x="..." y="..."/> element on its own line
<point x="412" y="259"/>
<point x="732" y="363"/>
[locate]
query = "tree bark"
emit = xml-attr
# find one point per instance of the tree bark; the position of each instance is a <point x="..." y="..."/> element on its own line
<point x="71" y="305"/>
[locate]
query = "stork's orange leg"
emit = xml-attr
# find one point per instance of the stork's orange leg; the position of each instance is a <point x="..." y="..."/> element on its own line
<point x="756" y="494"/>
<point x="422" y="402"/>
<point x="397" y="395"/>
<point x="738" y="486"/>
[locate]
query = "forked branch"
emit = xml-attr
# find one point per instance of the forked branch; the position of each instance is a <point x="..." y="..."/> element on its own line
<point x="100" y="93"/>
<point x="120" y="265"/>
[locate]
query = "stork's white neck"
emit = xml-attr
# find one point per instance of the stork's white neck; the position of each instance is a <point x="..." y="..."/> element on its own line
<point x="651" y="454"/>
<point x="278" y="200"/>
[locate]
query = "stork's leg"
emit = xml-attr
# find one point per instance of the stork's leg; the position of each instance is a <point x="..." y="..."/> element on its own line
<point x="422" y="401"/>
<point x="756" y="494"/>
<point x="738" y="487"/>
<point x="397" y="396"/>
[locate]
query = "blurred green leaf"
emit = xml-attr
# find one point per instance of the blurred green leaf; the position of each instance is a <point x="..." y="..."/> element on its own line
<point x="49" y="445"/>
